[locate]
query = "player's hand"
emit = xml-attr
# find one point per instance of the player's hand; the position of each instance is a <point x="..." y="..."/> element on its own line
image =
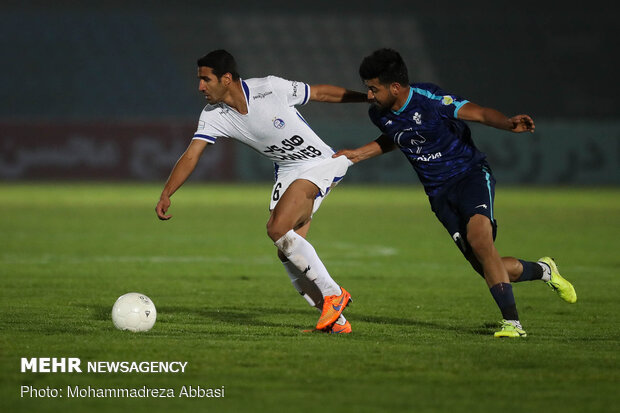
<point x="351" y="154"/>
<point x="162" y="208"/>
<point x="522" y="123"/>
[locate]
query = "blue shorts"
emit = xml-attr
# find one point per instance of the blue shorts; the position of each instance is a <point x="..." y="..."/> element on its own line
<point x="470" y="194"/>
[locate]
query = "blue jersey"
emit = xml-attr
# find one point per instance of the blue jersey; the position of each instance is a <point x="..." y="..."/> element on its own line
<point x="427" y="131"/>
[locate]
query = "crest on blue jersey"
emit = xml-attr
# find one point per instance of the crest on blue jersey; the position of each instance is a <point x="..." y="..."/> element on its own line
<point x="447" y="100"/>
<point x="278" y="123"/>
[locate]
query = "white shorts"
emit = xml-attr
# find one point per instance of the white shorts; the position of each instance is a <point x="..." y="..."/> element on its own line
<point x="323" y="174"/>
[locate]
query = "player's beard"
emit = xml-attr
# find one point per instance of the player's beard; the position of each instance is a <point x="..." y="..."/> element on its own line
<point x="382" y="107"/>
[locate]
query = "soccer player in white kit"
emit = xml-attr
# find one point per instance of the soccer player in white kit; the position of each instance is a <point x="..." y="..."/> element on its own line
<point x="261" y="114"/>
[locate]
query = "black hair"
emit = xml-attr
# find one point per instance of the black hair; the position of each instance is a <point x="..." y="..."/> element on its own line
<point x="386" y="65"/>
<point x="221" y="62"/>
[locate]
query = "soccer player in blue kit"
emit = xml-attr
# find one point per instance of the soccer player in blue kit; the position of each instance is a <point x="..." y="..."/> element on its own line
<point x="427" y="124"/>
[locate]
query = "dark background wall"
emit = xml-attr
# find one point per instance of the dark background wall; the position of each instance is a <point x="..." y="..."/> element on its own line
<point x="76" y="77"/>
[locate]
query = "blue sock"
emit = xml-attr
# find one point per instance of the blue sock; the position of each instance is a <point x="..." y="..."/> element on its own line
<point x="531" y="271"/>
<point x="502" y="293"/>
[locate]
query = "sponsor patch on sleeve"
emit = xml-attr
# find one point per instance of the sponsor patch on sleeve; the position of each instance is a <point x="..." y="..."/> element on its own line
<point x="447" y="100"/>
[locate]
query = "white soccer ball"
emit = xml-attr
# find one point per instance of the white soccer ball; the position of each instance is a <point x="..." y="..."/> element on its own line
<point x="134" y="312"/>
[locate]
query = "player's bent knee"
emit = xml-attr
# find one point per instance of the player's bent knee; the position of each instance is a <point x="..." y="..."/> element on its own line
<point x="275" y="230"/>
<point x="274" y="234"/>
<point x="481" y="245"/>
<point x="480" y="241"/>
<point x="479" y="232"/>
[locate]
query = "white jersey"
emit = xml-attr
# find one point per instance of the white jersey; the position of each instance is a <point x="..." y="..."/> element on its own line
<point x="272" y="126"/>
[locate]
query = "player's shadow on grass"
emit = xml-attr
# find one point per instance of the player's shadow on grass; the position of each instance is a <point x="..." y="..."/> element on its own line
<point x="479" y="330"/>
<point x="233" y="315"/>
<point x="250" y="316"/>
<point x="254" y="317"/>
<point x="217" y="321"/>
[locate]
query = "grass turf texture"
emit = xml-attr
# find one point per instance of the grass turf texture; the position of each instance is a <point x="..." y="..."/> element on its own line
<point x="422" y="319"/>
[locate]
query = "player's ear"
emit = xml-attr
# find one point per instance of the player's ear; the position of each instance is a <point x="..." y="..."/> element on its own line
<point x="226" y="79"/>
<point x="395" y="88"/>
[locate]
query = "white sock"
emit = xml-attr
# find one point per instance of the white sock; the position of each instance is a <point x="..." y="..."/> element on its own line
<point x="307" y="289"/>
<point x="304" y="286"/>
<point x="546" y="271"/>
<point x="341" y="320"/>
<point x="515" y="323"/>
<point x="303" y="256"/>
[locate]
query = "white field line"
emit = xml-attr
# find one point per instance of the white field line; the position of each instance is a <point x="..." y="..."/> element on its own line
<point x="343" y="251"/>
<point x="154" y="259"/>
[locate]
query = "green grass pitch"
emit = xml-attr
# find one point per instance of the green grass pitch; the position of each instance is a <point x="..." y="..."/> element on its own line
<point x="422" y="319"/>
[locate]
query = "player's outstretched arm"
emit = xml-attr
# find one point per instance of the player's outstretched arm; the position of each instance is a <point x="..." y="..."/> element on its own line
<point x="335" y="94"/>
<point x="491" y="117"/>
<point x="181" y="171"/>
<point x="377" y="147"/>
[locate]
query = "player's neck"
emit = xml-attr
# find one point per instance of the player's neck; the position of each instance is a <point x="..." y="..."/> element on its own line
<point x="236" y="98"/>
<point x="401" y="99"/>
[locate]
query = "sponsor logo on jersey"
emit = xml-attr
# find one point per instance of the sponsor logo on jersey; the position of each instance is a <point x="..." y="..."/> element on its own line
<point x="278" y="123"/>
<point x="261" y="95"/>
<point x="417" y="118"/>
<point x="201" y="124"/>
<point x="418" y="141"/>
<point x="447" y="100"/>
<point x="388" y="123"/>
<point x="429" y="157"/>
<point x="294" y="84"/>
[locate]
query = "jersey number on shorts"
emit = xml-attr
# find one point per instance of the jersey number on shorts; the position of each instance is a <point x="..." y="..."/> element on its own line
<point x="276" y="191"/>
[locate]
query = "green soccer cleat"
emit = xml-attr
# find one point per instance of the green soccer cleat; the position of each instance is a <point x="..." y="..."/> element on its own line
<point x="565" y="289"/>
<point x="510" y="330"/>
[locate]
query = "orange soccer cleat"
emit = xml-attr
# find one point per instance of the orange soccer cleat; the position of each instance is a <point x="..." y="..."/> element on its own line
<point x="340" y="329"/>
<point x="332" y="308"/>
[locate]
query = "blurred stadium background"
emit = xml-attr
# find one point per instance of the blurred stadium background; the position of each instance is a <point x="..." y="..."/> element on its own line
<point x="108" y="92"/>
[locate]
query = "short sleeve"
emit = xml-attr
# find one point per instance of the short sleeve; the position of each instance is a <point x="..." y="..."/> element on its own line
<point x="208" y="125"/>
<point x="296" y="93"/>
<point x="450" y="105"/>
<point x="447" y="104"/>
